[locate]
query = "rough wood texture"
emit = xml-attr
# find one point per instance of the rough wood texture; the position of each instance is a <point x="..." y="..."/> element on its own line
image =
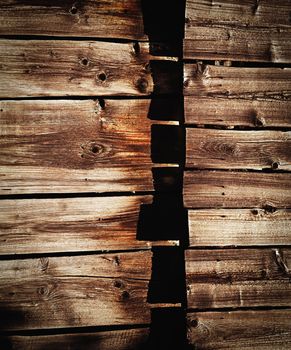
<point x="241" y="31"/>
<point x="224" y="149"/>
<point x="222" y="189"/>
<point x="103" y="19"/>
<point x="238" y="330"/>
<point x="238" y="278"/>
<point x="240" y="227"/>
<point x="75" y="146"/>
<point x="232" y="112"/>
<point x="73" y="68"/>
<point x="237" y="82"/>
<point x="75" y="291"/>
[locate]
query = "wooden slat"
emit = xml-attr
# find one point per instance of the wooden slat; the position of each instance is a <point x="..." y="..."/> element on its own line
<point x="242" y="31"/>
<point x="73" y="68"/>
<point x="94" y="290"/>
<point x="232" y="112"/>
<point x="225" y="149"/>
<point x="237" y="82"/>
<point x="106" y="19"/>
<point x="219" y="189"/>
<point x="238" y="278"/>
<point x="236" y="330"/>
<point x="75" y="146"/>
<point x="240" y="227"/>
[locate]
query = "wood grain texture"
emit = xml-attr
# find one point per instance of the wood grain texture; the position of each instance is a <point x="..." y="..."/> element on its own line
<point x="103" y="19"/>
<point x="73" y="68"/>
<point x="94" y="290"/>
<point x="75" y="146"/>
<point x="231" y="149"/>
<point x="237" y="112"/>
<point x="237" y="330"/>
<point x="237" y="82"/>
<point x="241" y="31"/>
<point x="239" y="227"/>
<point x="219" y="189"/>
<point x="238" y="278"/>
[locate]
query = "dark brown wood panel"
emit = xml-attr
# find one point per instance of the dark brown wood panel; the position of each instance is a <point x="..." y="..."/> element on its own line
<point x="238" y="330"/>
<point x="238" y="278"/>
<point x="224" y="189"/>
<point x="57" y="292"/>
<point x="103" y="19"/>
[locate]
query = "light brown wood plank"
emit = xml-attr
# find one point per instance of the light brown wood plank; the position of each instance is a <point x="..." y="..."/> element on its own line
<point x="75" y="146"/>
<point x="238" y="278"/>
<point x="237" y="330"/>
<point x="106" y="19"/>
<point x="239" y="227"/>
<point x="94" y="290"/>
<point x="219" y="189"/>
<point x="237" y="82"/>
<point x="237" y="112"/>
<point x="232" y="149"/>
<point x="73" y="68"/>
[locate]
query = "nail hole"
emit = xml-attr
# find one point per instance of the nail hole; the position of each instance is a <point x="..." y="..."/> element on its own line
<point x="136" y="48"/>
<point x="270" y="208"/>
<point x="117" y="284"/>
<point x="194" y="323"/>
<point x="101" y="103"/>
<point x="125" y="295"/>
<point x="73" y="10"/>
<point x="102" y="76"/>
<point x="94" y="149"/>
<point x="223" y="193"/>
<point x="255" y="212"/>
<point x="142" y="85"/>
<point x="85" y="61"/>
<point x="275" y="165"/>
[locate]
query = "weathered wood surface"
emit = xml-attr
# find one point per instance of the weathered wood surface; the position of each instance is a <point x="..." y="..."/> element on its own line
<point x="73" y="68"/>
<point x="224" y="189"/>
<point x="94" y="290"/>
<point x="239" y="227"/>
<point x="238" y="278"/>
<point x="237" y="82"/>
<point x="237" y="112"/>
<point x="238" y="330"/>
<point x="241" y="31"/>
<point x="106" y="19"/>
<point x="232" y="149"/>
<point x="75" y="146"/>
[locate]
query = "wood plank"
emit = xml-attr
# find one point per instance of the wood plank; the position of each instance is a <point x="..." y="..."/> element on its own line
<point x="238" y="278"/>
<point x="239" y="227"/>
<point x="244" y="31"/>
<point x="237" y="330"/>
<point x="237" y="82"/>
<point x="223" y="189"/>
<point x="237" y="112"/>
<point x="106" y="19"/>
<point x="94" y="290"/>
<point x="75" y="146"/>
<point x="73" y="68"/>
<point x="232" y="149"/>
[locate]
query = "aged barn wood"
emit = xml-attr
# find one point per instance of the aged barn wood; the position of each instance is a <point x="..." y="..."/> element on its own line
<point x="128" y="339"/>
<point x="238" y="30"/>
<point x="94" y="290"/>
<point x="241" y="227"/>
<point x="73" y="68"/>
<point x="237" y="82"/>
<point x="75" y="146"/>
<point x="231" y="149"/>
<point x="103" y="19"/>
<point x="224" y="189"/>
<point x="238" y="330"/>
<point x="237" y="112"/>
<point x="238" y="278"/>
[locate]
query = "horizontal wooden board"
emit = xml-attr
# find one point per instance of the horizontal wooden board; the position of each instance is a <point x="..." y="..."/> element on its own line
<point x="238" y="278"/>
<point x="232" y="149"/>
<point x="238" y="330"/>
<point x="231" y="112"/>
<point x="73" y="68"/>
<point x="240" y="227"/>
<point x="224" y="189"/>
<point x="237" y="82"/>
<point x="106" y="19"/>
<point x="75" y="146"/>
<point x="94" y="290"/>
